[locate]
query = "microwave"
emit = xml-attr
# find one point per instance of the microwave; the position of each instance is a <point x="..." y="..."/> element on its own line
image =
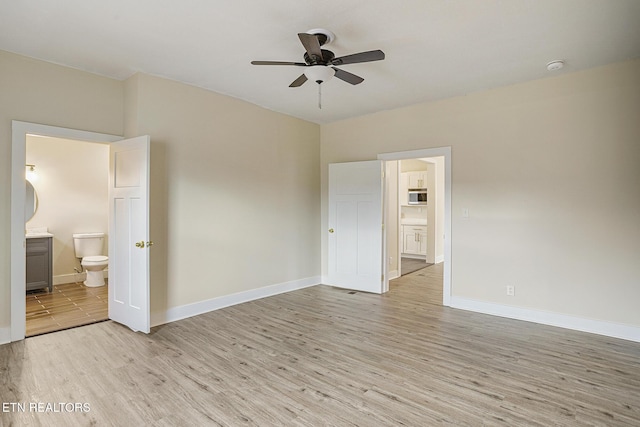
<point x="417" y="197"/>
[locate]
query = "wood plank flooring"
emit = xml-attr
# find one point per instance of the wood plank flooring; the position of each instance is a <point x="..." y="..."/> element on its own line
<point x="323" y="356"/>
<point x="409" y="265"/>
<point x="68" y="305"/>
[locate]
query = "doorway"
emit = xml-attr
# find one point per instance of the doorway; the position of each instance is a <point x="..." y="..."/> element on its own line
<point x="20" y="131"/>
<point x="70" y="179"/>
<point x="440" y="229"/>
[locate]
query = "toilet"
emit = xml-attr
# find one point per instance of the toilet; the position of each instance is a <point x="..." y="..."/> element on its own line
<point x="88" y="247"/>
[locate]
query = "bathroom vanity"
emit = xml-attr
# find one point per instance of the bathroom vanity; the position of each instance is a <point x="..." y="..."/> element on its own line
<point x="39" y="261"/>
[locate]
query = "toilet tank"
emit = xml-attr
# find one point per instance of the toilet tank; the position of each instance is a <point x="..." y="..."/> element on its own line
<point x="88" y="244"/>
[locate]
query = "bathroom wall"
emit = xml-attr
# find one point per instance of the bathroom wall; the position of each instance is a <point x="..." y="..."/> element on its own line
<point x="72" y="188"/>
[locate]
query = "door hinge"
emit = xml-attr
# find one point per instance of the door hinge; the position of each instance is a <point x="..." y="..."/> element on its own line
<point x="382" y="278"/>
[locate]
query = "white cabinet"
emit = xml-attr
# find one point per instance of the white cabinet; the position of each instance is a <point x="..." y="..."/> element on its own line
<point x="414" y="239"/>
<point x="417" y="179"/>
<point x="411" y="180"/>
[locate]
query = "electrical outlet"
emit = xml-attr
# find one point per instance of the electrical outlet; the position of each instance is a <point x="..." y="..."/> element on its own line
<point x="511" y="290"/>
<point x="390" y="260"/>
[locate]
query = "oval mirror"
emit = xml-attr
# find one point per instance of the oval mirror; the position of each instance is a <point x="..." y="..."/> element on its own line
<point x="30" y="202"/>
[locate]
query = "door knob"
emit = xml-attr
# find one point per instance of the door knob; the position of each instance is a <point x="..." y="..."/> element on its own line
<point x="140" y="244"/>
<point x="149" y="243"/>
<point x="331" y="230"/>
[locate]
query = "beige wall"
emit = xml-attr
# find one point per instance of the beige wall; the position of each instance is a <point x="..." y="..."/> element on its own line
<point x="410" y="165"/>
<point x="549" y="172"/>
<point x="235" y="201"/>
<point x="73" y="190"/>
<point x="39" y="92"/>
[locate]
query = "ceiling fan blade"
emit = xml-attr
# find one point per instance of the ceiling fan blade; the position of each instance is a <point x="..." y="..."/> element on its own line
<point x="299" y="81"/>
<point x="372" y="55"/>
<point x="311" y="44"/>
<point x="300" y="64"/>
<point x="347" y="76"/>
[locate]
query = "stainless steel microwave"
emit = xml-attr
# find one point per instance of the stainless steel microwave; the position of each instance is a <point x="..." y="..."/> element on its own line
<point x="417" y="197"/>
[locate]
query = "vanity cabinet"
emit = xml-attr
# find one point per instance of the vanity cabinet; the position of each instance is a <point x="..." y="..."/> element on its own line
<point x="39" y="263"/>
<point x="414" y="239"/>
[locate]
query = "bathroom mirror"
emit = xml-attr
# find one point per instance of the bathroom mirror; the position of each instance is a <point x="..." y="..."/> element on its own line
<point x="30" y="202"/>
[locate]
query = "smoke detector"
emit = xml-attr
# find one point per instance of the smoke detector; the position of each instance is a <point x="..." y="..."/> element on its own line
<point x="555" y="65"/>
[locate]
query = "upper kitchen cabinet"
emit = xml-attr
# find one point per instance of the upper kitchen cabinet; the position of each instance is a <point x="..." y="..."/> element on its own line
<point x="417" y="179"/>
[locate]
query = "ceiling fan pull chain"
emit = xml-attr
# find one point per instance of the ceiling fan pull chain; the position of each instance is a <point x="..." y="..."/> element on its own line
<point x="319" y="96"/>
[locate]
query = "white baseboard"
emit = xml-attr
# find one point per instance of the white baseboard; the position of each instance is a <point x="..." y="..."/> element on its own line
<point x="201" y="307"/>
<point x="393" y="274"/>
<point x="414" y="256"/>
<point x="62" y="279"/>
<point x="5" y="335"/>
<point x="439" y="259"/>
<point x="610" y="329"/>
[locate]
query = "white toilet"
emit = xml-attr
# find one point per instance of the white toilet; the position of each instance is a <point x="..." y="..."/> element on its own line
<point x="88" y="247"/>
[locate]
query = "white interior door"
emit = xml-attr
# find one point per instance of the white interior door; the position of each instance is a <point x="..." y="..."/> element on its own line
<point x="356" y="226"/>
<point x="129" y="233"/>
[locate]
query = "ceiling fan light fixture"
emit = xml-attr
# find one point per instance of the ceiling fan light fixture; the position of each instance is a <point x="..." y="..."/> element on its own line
<point x="319" y="73"/>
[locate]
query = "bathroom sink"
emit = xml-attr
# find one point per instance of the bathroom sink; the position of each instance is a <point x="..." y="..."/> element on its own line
<point x="38" y="235"/>
<point x="39" y="232"/>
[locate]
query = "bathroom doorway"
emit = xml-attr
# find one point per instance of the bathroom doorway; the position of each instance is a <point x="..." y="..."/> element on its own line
<point x="70" y="180"/>
<point x="128" y="213"/>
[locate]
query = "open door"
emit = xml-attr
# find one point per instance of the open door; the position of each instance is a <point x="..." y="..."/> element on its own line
<point x="129" y="233"/>
<point x="356" y="226"/>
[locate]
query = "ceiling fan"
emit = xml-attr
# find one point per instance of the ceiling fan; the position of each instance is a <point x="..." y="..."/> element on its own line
<point x="321" y="64"/>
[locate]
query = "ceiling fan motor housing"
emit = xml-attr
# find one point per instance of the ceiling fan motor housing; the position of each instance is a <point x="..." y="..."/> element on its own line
<point x="327" y="56"/>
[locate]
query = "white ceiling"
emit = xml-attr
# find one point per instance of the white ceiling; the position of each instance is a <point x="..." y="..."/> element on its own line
<point x="434" y="48"/>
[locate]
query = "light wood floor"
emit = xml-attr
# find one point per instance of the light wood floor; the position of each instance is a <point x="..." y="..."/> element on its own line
<point x="409" y="265"/>
<point x="323" y="356"/>
<point x="68" y="305"/>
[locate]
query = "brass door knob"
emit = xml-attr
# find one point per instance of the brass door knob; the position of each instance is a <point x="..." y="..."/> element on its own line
<point x="149" y="243"/>
<point x="331" y="230"/>
<point x="140" y="244"/>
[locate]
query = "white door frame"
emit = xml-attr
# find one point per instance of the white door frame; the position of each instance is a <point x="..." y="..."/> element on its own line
<point x="432" y="152"/>
<point x="19" y="131"/>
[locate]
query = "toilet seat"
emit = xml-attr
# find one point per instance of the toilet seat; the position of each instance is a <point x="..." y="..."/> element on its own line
<point x="94" y="259"/>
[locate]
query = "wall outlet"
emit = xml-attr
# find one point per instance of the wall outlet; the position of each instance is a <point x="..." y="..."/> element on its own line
<point x="465" y="212"/>
<point x="511" y="290"/>
<point x="390" y="260"/>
